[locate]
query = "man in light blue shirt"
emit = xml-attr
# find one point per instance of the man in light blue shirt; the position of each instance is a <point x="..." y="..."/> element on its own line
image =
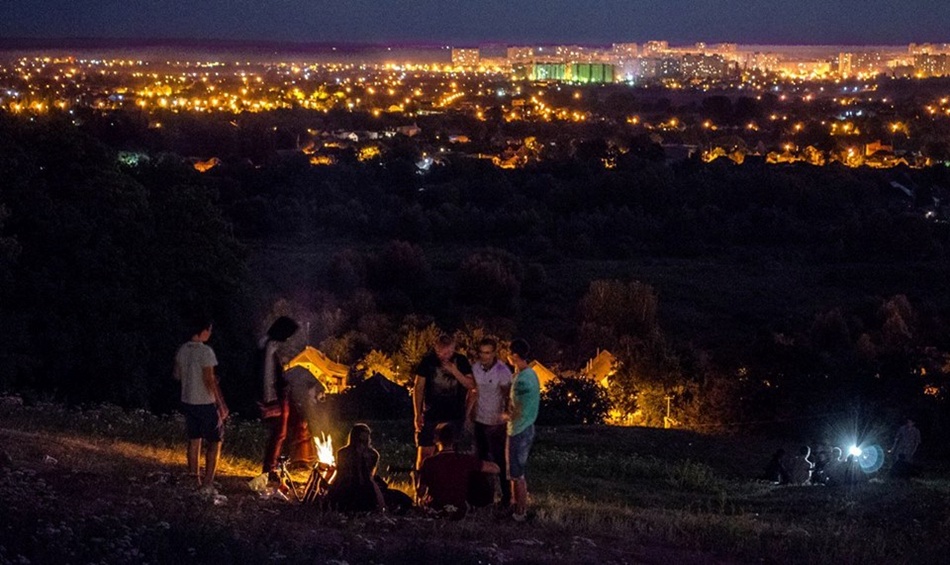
<point x="525" y="399"/>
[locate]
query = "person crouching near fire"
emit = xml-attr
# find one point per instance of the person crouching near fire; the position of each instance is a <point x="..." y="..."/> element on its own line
<point x="354" y="487"/>
<point x="446" y="479"/>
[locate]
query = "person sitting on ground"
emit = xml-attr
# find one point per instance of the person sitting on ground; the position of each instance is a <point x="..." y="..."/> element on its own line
<point x="446" y="478"/>
<point x="819" y="475"/>
<point x="775" y="470"/>
<point x="353" y="487"/>
<point x="801" y="467"/>
<point x="834" y="470"/>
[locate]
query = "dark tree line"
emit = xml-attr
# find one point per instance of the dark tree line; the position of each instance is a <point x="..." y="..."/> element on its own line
<point x="103" y="265"/>
<point x="577" y="208"/>
<point x="102" y="262"/>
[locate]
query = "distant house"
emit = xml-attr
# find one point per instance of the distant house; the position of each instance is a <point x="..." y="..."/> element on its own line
<point x="601" y="368"/>
<point x="409" y="131"/>
<point x="884" y="160"/>
<point x="330" y="373"/>
<point x="204" y="166"/>
<point x="875" y="146"/>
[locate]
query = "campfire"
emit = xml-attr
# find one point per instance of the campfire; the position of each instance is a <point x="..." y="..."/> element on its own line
<point x="323" y="473"/>
<point x="326" y="463"/>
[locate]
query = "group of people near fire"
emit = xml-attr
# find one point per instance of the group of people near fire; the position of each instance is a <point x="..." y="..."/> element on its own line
<point x="456" y="405"/>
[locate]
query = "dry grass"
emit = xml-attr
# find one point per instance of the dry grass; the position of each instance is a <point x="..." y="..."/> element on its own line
<point x="110" y="494"/>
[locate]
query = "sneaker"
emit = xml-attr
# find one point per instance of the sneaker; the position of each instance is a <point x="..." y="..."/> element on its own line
<point x="519" y="517"/>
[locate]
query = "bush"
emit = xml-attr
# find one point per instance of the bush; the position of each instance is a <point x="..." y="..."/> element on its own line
<point x="573" y="400"/>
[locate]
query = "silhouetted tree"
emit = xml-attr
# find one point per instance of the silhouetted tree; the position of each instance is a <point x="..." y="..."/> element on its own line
<point x="572" y="400"/>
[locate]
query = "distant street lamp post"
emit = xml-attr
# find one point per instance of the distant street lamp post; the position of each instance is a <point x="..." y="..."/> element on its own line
<point x="667" y="421"/>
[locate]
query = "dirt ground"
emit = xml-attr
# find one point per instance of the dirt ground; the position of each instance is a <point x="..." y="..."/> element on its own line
<point x="70" y="499"/>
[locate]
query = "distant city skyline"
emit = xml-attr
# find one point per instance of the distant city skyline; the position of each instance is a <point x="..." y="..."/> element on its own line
<point x="806" y="22"/>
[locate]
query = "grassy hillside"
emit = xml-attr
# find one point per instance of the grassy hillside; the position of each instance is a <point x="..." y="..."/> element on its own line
<point x="102" y="485"/>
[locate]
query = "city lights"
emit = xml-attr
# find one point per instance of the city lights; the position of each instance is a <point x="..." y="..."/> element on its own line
<point x="527" y="84"/>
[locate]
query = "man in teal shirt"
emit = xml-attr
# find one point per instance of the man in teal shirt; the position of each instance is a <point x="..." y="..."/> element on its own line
<point x="525" y="398"/>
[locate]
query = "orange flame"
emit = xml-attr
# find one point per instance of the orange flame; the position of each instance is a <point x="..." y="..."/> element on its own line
<point x="324" y="446"/>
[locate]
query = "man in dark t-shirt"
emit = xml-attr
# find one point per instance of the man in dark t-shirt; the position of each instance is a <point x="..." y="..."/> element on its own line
<point x="451" y="478"/>
<point x="442" y="381"/>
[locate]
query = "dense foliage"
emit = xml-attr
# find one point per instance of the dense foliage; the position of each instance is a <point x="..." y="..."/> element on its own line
<point x="837" y="291"/>
<point x="108" y="265"/>
<point x="572" y="400"/>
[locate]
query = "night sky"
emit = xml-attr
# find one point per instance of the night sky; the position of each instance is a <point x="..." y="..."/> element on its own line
<point x="470" y="22"/>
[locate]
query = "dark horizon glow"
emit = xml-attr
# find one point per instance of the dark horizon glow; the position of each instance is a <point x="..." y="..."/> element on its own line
<point x="454" y="22"/>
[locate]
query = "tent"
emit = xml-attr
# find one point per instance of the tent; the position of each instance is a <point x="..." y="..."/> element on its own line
<point x="330" y="373"/>
<point x="545" y="375"/>
<point x="376" y="397"/>
<point x="601" y="368"/>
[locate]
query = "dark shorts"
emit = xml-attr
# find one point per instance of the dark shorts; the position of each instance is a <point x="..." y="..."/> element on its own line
<point x="201" y="422"/>
<point x="519" y="446"/>
<point x="426" y="438"/>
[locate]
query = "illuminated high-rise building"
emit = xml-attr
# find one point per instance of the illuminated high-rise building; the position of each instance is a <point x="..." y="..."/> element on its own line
<point x="590" y="72"/>
<point x="655" y="48"/>
<point x="520" y="54"/>
<point x="932" y="65"/>
<point x="669" y="67"/>
<point x="570" y="53"/>
<point x="624" y="52"/>
<point x="861" y="63"/>
<point x="548" y="71"/>
<point x="844" y="65"/>
<point x="465" y="57"/>
<point x="697" y="65"/>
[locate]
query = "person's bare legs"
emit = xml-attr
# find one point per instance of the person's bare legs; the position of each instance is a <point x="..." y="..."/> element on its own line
<point x="194" y="448"/>
<point x="212" y="453"/>
<point x="519" y="491"/>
